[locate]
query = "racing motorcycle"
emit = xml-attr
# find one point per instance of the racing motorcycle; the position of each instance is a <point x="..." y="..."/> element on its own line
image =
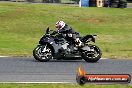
<point x="56" y="47"/>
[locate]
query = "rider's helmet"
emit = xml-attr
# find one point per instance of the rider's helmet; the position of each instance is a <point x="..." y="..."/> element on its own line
<point x="60" y="24"/>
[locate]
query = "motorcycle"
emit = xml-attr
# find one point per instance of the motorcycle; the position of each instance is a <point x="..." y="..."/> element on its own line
<point x="56" y="47"/>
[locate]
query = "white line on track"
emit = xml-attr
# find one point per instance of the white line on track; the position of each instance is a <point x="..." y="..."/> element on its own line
<point x="4" y="56"/>
<point x="10" y="56"/>
<point x="104" y="58"/>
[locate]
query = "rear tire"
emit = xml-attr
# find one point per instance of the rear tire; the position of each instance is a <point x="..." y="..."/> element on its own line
<point x="43" y="55"/>
<point x="94" y="56"/>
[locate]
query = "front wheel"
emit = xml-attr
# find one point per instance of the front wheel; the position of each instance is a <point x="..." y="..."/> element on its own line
<point x="93" y="55"/>
<point x="43" y="53"/>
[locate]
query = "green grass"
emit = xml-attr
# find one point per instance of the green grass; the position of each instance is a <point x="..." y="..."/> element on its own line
<point x="61" y="86"/>
<point x="22" y="25"/>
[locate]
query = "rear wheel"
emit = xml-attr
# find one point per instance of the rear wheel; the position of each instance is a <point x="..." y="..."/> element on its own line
<point x="43" y="53"/>
<point x="93" y="55"/>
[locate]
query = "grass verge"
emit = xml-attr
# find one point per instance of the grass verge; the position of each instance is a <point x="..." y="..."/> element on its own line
<point x="61" y="86"/>
<point x="22" y="25"/>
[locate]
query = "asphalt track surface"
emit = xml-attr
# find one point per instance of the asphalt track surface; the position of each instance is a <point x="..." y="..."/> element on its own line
<point x="27" y="69"/>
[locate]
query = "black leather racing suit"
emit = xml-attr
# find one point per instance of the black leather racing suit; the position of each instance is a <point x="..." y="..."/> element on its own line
<point x="68" y="33"/>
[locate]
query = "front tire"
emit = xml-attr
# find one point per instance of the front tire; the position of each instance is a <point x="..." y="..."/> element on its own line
<point x="92" y="56"/>
<point x="43" y="53"/>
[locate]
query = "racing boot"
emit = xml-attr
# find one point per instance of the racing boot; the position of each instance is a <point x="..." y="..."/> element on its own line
<point x="78" y="42"/>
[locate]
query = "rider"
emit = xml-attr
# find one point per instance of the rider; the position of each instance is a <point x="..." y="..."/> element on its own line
<point x="68" y="33"/>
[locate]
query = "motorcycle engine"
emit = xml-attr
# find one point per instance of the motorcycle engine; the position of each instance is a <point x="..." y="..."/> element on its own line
<point x="65" y="46"/>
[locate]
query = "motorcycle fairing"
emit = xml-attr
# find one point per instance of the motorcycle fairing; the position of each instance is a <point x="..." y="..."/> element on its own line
<point x="88" y="38"/>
